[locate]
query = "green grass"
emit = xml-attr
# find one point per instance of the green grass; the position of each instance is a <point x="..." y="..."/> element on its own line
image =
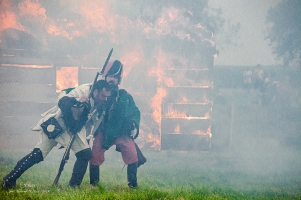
<point x="255" y="155"/>
<point x="230" y="174"/>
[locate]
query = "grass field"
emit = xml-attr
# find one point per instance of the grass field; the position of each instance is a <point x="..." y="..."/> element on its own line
<point x="228" y="174"/>
<point x="255" y="155"/>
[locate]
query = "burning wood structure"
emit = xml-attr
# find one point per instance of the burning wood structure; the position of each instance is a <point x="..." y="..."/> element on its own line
<point x="43" y="51"/>
<point x="29" y="85"/>
<point x="29" y="88"/>
<point x="186" y="110"/>
<point x="30" y="82"/>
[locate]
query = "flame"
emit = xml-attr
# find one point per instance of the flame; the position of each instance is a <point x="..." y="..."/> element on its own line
<point x="207" y="115"/>
<point x="156" y="104"/>
<point x="169" y="82"/>
<point x="158" y="71"/>
<point x="177" y="129"/>
<point x="206" y="101"/>
<point x="208" y="132"/>
<point x="27" y="66"/>
<point x="7" y="17"/>
<point x="29" y="8"/>
<point x="184" y="100"/>
<point x="94" y="15"/>
<point x="33" y="11"/>
<point x="155" y="140"/>
<point x="57" y="31"/>
<point x="174" y="113"/>
<point x="66" y="77"/>
<point x="130" y="59"/>
<point x="170" y="18"/>
<point x="177" y="114"/>
<point x="97" y="15"/>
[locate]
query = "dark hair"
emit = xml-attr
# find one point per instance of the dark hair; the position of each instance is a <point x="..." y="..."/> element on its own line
<point x="100" y="84"/>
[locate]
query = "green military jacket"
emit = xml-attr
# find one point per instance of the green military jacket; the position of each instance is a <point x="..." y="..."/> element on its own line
<point x="119" y="116"/>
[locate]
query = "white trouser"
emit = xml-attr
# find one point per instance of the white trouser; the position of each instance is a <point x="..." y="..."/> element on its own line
<point x="45" y="144"/>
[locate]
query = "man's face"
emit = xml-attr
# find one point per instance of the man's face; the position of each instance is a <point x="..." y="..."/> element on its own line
<point x="101" y="96"/>
<point x="112" y="80"/>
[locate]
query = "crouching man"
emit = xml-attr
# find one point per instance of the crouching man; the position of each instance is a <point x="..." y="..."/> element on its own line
<point x="120" y="127"/>
<point x="58" y="124"/>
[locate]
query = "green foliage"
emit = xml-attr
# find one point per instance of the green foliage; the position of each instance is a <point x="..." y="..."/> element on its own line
<point x="285" y="32"/>
<point x="226" y="174"/>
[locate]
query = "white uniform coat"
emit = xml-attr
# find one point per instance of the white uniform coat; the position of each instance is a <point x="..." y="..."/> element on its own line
<point x="80" y="142"/>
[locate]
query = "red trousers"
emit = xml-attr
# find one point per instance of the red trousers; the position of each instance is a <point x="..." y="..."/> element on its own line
<point x="125" y="144"/>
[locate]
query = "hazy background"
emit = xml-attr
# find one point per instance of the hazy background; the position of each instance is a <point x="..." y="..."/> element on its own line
<point x="149" y="38"/>
<point x="248" y="46"/>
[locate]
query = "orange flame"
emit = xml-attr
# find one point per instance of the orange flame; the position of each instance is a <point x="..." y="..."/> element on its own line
<point x="208" y="132"/>
<point x="177" y="129"/>
<point x="66" y="77"/>
<point x="97" y="16"/>
<point x="169" y="82"/>
<point x="130" y="59"/>
<point x="207" y="115"/>
<point x="184" y="100"/>
<point x="34" y="9"/>
<point x="28" y="66"/>
<point x="177" y="114"/>
<point x="174" y="114"/>
<point x="155" y="140"/>
<point x="7" y="16"/>
<point x="161" y="93"/>
<point x="156" y="104"/>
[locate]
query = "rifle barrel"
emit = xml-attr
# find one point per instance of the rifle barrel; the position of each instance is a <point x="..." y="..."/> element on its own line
<point x="64" y="160"/>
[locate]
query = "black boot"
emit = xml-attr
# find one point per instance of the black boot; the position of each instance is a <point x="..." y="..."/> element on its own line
<point x="132" y="175"/>
<point x="94" y="174"/>
<point x="141" y="158"/>
<point x="9" y="181"/>
<point x="80" y="167"/>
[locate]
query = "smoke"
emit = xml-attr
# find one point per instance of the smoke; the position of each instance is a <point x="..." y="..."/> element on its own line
<point x="150" y="40"/>
<point x="243" y="40"/>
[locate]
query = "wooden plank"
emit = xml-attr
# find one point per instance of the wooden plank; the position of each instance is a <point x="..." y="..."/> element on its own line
<point x="184" y="125"/>
<point x="186" y="77"/>
<point x="25" y="57"/>
<point x="19" y="108"/>
<point x="185" y="142"/>
<point x="28" y="92"/>
<point x="16" y="133"/>
<point x="27" y="75"/>
<point x="187" y="109"/>
<point x="87" y="75"/>
<point x="188" y="94"/>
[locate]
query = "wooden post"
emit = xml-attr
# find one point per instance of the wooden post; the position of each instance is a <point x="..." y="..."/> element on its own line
<point x="231" y="125"/>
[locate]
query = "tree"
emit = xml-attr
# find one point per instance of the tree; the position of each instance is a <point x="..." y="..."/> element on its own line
<point x="285" y="31"/>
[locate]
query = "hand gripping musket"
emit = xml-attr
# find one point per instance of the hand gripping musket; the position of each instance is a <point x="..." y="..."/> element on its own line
<point x="67" y="151"/>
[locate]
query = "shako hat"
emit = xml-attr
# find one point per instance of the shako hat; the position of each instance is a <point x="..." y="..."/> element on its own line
<point x="114" y="69"/>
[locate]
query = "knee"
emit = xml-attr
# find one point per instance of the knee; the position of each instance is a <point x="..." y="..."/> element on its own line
<point x="96" y="160"/>
<point x="37" y="154"/>
<point x="85" y="154"/>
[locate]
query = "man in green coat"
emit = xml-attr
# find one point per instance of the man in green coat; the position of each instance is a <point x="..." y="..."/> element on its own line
<point x="120" y="127"/>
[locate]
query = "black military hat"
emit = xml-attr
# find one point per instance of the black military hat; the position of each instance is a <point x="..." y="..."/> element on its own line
<point x="116" y="70"/>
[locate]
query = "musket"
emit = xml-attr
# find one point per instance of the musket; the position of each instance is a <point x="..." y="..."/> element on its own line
<point x="101" y="72"/>
<point x="64" y="160"/>
<point x="67" y="151"/>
